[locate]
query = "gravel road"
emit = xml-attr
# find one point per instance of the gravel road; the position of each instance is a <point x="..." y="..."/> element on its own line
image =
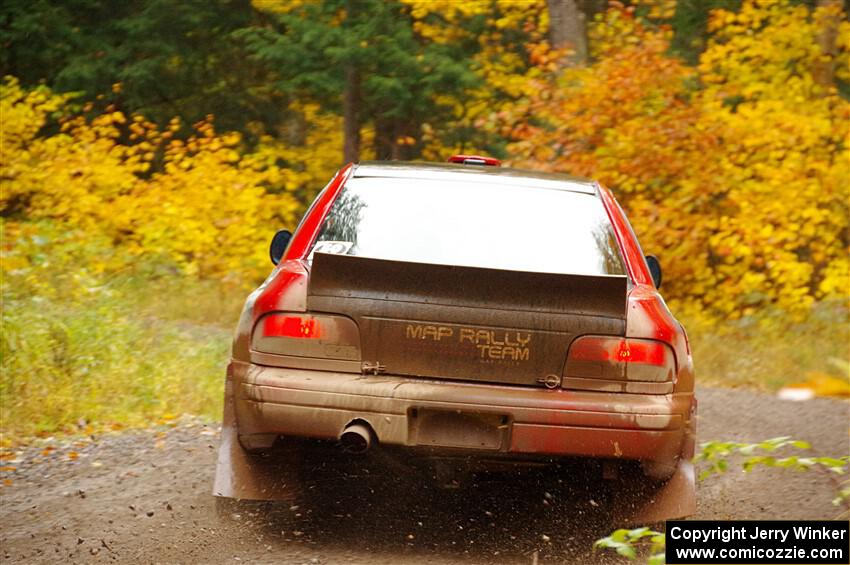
<point x="144" y="497"/>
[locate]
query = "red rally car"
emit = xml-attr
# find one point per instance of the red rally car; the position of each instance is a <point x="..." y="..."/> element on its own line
<point x="463" y="310"/>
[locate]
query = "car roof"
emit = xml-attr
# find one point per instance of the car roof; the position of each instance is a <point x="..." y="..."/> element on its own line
<point x="451" y="172"/>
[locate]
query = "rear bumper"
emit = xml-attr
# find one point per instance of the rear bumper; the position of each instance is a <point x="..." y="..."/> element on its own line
<point x="496" y="419"/>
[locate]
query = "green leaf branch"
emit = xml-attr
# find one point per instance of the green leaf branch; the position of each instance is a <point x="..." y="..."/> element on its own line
<point x="625" y="542"/>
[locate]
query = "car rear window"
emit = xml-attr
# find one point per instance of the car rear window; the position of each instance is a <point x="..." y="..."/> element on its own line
<point x="472" y="224"/>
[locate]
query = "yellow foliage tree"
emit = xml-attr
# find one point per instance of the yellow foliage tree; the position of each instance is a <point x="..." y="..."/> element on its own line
<point x="199" y="203"/>
<point x="302" y="169"/>
<point x="734" y="172"/>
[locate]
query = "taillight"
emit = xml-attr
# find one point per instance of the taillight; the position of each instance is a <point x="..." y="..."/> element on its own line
<point x="618" y="358"/>
<point x="299" y="334"/>
<point x="282" y="325"/>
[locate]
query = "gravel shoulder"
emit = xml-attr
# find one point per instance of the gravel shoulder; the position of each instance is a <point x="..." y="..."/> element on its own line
<point x="144" y="497"/>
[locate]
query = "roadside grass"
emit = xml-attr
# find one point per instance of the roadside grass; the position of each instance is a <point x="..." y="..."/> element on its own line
<point x="772" y="350"/>
<point x="105" y="362"/>
<point x="86" y="348"/>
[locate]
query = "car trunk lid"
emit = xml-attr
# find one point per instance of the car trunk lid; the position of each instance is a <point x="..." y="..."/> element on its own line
<point x="469" y="323"/>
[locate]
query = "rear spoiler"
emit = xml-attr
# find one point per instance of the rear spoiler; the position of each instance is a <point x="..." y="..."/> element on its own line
<point x="348" y="277"/>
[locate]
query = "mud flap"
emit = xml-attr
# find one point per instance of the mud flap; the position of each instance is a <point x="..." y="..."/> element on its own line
<point x="649" y="503"/>
<point x="242" y="475"/>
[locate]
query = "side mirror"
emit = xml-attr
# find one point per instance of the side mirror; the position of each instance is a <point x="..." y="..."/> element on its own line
<point x="654" y="269"/>
<point x="278" y="245"/>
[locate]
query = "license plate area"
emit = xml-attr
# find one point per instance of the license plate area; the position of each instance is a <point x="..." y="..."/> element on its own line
<point x="456" y="428"/>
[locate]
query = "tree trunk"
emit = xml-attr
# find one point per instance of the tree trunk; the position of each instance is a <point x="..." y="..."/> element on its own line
<point x="396" y="152"/>
<point x="824" y="70"/>
<point x="567" y="28"/>
<point x="351" y="116"/>
<point x="383" y="138"/>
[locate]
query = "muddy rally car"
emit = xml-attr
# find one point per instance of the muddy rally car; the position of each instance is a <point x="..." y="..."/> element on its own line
<point x="463" y="311"/>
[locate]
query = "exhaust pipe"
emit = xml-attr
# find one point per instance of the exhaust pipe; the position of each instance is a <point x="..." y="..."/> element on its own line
<point x="356" y="438"/>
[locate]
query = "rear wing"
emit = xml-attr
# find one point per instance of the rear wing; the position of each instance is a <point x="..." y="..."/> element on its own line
<point x="334" y="277"/>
